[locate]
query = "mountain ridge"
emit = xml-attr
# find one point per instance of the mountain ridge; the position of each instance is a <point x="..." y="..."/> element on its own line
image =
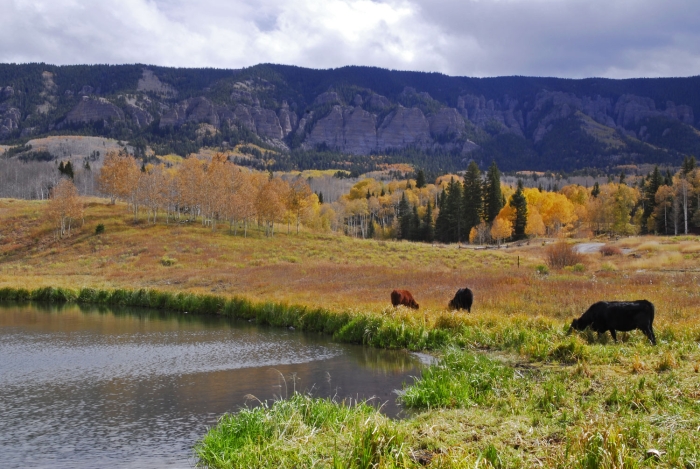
<point x="524" y="123"/>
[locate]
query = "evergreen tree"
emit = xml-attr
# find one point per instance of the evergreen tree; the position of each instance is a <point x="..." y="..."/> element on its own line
<point x="416" y="234"/>
<point x="668" y="180"/>
<point x="493" y="198"/>
<point x="688" y="165"/>
<point x="420" y="179"/>
<point x="596" y="189"/>
<point x="370" y="228"/>
<point x="61" y="168"/>
<point x="404" y="216"/>
<point x="519" y="203"/>
<point x="654" y="181"/>
<point x="320" y="197"/>
<point x="427" y="226"/>
<point x="473" y="200"/>
<point x="622" y="177"/>
<point x="441" y="221"/>
<point x="452" y="213"/>
<point x="68" y="170"/>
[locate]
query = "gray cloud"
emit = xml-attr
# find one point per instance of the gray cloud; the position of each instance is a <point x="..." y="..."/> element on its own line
<point x="568" y="38"/>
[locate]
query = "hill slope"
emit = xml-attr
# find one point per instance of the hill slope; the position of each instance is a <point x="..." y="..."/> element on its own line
<point x="321" y="118"/>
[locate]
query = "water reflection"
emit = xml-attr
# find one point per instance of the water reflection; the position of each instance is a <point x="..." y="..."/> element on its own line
<point x="90" y="387"/>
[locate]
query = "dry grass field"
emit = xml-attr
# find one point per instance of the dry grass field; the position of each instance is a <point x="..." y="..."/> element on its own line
<point x="516" y="392"/>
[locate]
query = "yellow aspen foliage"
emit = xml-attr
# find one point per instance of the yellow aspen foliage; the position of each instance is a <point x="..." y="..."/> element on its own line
<point x="535" y="226"/>
<point x="502" y="228"/>
<point x="65" y="206"/>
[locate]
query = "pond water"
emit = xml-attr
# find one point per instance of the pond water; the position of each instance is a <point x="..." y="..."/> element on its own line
<point x="89" y="387"/>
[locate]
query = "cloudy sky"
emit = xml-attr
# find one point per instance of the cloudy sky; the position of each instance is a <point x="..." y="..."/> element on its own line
<point x="566" y="38"/>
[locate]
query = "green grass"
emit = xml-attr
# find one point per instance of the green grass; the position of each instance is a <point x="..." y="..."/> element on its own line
<point x="508" y="390"/>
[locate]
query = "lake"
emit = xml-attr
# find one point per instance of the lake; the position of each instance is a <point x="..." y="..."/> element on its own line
<point x="94" y="387"/>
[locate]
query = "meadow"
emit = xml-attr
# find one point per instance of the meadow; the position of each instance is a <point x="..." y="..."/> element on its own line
<point x="510" y="388"/>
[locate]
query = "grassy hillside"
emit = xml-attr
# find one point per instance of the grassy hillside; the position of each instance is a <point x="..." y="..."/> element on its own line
<point x="511" y="389"/>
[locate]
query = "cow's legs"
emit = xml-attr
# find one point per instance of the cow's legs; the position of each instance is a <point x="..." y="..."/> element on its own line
<point x="612" y="333"/>
<point x="649" y="332"/>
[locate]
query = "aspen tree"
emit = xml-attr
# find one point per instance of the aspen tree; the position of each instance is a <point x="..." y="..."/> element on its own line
<point x="64" y="206"/>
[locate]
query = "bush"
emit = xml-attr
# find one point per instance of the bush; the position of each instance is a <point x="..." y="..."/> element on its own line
<point x="608" y="250"/>
<point x="579" y="268"/>
<point x="560" y="255"/>
<point x="542" y="269"/>
<point x="168" y="261"/>
<point x="99" y="229"/>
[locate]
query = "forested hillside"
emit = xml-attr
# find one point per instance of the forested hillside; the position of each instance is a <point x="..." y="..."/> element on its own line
<point x="354" y="117"/>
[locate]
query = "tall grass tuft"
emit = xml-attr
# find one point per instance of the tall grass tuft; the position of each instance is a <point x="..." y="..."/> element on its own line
<point x="459" y="379"/>
<point x="305" y="432"/>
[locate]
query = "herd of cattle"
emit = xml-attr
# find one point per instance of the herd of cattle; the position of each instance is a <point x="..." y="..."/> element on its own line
<point x="601" y="317"/>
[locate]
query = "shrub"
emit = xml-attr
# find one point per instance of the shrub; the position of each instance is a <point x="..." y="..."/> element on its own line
<point x="99" y="229"/>
<point x="609" y="250"/>
<point x="542" y="269"/>
<point x="560" y="255"/>
<point x="579" y="267"/>
<point x="167" y="261"/>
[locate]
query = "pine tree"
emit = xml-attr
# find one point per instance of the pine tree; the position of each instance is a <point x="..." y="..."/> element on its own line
<point x="68" y="170"/>
<point x="404" y="217"/>
<point x="61" y="169"/>
<point x="493" y="198"/>
<point x="415" y="226"/>
<point x="441" y="221"/>
<point x="688" y="165"/>
<point x="655" y="180"/>
<point x="668" y="180"/>
<point x="370" y="229"/>
<point x="519" y="202"/>
<point x="420" y="179"/>
<point x="473" y="200"/>
<point x="596" y="189"/>
<point x="453" y="212"/>
<point x="320" y="197"/>
<point x="427" y="226"/>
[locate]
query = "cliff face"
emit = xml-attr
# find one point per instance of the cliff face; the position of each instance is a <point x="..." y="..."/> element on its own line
<point x="94" y="110"/>
<point x="359" y="113"/>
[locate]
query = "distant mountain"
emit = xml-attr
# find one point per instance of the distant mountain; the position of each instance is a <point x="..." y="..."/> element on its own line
<point x="361" y="115"/>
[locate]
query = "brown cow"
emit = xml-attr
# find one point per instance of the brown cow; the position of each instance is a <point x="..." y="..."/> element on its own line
<point x="403" y="297"/>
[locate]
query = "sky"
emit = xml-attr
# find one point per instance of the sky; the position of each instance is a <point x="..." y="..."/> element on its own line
<point x="563" y="38"/>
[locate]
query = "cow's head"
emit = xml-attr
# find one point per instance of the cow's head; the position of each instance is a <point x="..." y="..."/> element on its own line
<point x="413" y="304"/>
<point x="451" y="304"/>
<point x="575" y="324"/>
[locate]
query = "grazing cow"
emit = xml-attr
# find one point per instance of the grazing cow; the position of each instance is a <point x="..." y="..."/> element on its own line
<point x="403" y="297"/>
<point x="463" y="300"/>
<point x="618" y="316"/>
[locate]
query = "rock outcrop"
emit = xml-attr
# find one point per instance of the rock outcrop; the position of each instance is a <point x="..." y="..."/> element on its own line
<point x="446" y="123"/>
<point x="139" y="116"/>
<point x="194" y="110"/>
<point x="483" y="112"/>
<point x="6" y="92"/>
<point x="403" y="127"/>
<point x="94" y="110"/>
<point x="267" y="124"/>
<point x="631" y="109"/>
<point x="9" y="120"/>
<point x="149" y="82"/>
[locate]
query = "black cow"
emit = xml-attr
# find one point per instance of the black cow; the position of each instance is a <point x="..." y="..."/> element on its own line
<point x="463" y="300"/>
<point x="618" y="316"/>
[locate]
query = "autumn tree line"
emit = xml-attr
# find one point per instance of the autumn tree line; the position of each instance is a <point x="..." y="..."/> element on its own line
<point x="469" y="207"/>
<point x="478" y="208"/>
